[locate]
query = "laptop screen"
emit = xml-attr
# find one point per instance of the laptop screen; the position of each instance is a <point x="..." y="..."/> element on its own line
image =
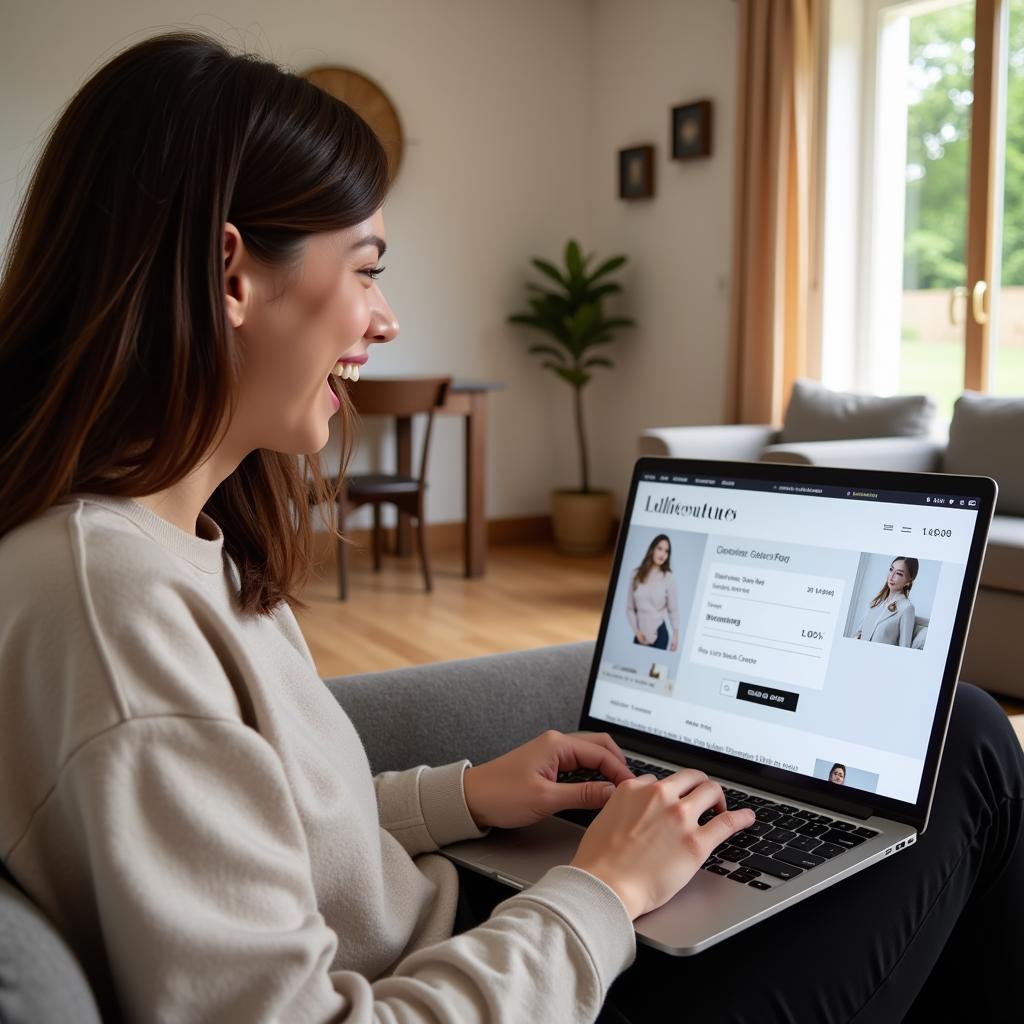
<point x="798" y="626"/>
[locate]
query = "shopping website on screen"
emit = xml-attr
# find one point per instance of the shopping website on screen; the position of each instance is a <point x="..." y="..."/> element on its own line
<point x="787" y="627"/>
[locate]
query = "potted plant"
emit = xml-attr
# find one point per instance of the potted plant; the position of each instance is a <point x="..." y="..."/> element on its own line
<point x="568" y="309"/>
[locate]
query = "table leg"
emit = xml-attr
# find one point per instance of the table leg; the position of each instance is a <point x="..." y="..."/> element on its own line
<point x="476" y="522"/>
<point x="403" y="459"/>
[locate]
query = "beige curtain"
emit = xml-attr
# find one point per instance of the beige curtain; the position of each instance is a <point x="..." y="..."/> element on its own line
<point x="775" y="230"/>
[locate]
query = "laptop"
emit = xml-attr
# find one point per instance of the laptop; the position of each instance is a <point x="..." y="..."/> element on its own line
<point x="796" y="632"/>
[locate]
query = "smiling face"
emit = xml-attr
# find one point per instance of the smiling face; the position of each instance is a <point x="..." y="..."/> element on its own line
<point x="660" y="553"/>
<point x="293" y="325"/>
<point x="898" y="576"/>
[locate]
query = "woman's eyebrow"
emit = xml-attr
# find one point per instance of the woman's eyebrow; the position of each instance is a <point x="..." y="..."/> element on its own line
<point x="372" y="240"/>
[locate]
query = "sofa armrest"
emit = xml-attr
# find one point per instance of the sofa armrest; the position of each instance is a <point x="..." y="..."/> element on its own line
<point x="742" y="441"/>
<point x="904" y="454"/>
<point x="476" y="708"/>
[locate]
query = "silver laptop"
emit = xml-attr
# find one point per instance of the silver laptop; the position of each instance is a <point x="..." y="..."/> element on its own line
<point x="802" y="647"/>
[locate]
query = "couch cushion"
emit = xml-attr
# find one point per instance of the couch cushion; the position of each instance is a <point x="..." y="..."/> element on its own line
<point x="40" y="981"/>
<point x="1004" y="557"/>
<point x="815" y="413"/>
<point x="986" y="437"/>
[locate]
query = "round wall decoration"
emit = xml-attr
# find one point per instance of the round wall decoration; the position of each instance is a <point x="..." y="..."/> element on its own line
<point x="369" y="101"/>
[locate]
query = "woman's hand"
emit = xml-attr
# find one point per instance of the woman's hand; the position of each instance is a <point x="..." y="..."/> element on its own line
<point x="521" y="787"/>
<point x="646" y="844"/>
<point x="675" y="643"/>
<point x="641" y="639"/>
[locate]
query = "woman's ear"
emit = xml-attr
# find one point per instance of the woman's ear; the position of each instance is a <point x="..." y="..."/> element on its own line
<point x="237" y="283"/>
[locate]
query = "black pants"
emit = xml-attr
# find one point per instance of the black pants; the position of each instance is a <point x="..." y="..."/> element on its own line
<point x="933" y="934"/>
<point x="660" y="641"/>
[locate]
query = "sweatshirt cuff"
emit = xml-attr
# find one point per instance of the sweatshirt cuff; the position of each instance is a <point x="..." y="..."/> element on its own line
<point x="594" y="912"/>
<point x="443" y="803"/>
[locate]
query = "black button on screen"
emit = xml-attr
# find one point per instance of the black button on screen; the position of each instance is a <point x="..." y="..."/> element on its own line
<point x="786" y="700"/>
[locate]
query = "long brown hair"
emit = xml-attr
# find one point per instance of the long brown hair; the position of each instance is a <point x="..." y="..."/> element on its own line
<point x="913" y="566"/>
<point x="640" y="576"/>
<point x="118" y="367"/>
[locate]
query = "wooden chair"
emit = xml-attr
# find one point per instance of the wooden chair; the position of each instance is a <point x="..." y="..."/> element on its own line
<point x="400" y="399"/>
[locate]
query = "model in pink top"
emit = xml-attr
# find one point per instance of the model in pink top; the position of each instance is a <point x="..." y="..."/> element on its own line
<point x="652" y="598"/>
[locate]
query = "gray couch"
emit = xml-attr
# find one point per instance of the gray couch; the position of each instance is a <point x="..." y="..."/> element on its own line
<point x="477" y="708"/>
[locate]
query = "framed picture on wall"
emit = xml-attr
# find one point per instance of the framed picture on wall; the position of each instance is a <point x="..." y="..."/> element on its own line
<point x="636" y="172"/>
<point x="691" y="130"/>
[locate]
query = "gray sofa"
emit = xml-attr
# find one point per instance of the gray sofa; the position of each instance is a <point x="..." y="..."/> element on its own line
<point x="477" y="708"/>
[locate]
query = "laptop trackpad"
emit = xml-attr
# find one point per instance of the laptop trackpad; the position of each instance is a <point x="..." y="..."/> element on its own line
<point x="522" y="854"/>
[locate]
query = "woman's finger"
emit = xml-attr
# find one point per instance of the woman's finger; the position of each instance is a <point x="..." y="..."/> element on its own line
<point x="705" y="797"/>
<point x="604" y="740"/>
<point x="579" y="753"/>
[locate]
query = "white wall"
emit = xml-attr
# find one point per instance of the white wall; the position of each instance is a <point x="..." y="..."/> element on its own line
<point x="513" y="113"/>
<point x="649" y="57"/>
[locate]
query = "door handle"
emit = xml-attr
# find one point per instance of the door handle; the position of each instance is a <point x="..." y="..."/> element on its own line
<point x="960" y="292"/>
<point x="978" y="310"/>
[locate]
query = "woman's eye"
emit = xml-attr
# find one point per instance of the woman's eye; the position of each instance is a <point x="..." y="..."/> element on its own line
<point x="372" y="272"/>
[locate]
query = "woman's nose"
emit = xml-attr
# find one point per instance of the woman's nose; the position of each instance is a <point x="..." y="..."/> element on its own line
<point x="383" y="323"/>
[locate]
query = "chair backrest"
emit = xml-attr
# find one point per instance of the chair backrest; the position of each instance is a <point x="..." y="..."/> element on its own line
<point x="401" y="397"/>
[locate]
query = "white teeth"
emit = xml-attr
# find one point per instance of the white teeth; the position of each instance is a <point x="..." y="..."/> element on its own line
<point x="346" y="371"/>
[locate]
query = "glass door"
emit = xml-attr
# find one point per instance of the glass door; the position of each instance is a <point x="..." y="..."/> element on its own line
<point x="944" y="276"/>
<point x="917" y="275"/>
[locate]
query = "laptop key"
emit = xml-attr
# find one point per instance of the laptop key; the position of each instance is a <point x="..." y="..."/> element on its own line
<point x="758" y="885"/>
<point x="710" y="861"/>
<point x="789" y="821"/>
<point x="771" y="866"/>
<point x="759" y="828"/>
<point x="806" y="815"/>
<point x="733" y="853"/>
<point x="805" y="844"/>
<point x="780" y="835"/>
<point x="739" y="875"/>
<point x="760" y="801"/>
<point x="768" y="814"/>
<point x="785" y="808"/>
<point x="844" y="826"/>
<point x="743" y="841"/>
<point x="736" y="794"/>
<point x="717" y="869"/>
<point x="865" y="833"/>
<point x="827" y="850"/>
<point x="848" y="840"/>
<point x="765" y="847"/>
<point x="814" y="828"/>
<point x="801" y="860"/>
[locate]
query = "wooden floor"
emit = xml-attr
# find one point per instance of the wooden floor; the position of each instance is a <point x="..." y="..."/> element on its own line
<point x="532" y="596"/>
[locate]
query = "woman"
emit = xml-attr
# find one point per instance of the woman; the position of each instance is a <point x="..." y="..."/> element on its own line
<point x="197" y="252"/>
<point x="652" y="598"/>
<point x="890" y="616"/>
<point x="837" y="774"/>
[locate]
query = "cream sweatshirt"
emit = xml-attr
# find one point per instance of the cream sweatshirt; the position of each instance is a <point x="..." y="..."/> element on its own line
<point x="648" y="604"/>
<point x="188" y="803"/>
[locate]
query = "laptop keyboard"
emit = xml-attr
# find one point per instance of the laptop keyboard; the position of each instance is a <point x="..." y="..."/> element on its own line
<point x="784" y="841"/>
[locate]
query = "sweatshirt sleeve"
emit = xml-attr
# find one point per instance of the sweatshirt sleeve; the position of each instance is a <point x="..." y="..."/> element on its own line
<point x="672" y="601"/>
<point x="424" y="808"/>
<point x="907" y="625"/>
<point x="195" y="850"/>
<point x="631" y="605"/>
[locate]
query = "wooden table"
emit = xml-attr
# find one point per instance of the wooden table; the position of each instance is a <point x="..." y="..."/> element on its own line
<point x="467" y="398"/>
